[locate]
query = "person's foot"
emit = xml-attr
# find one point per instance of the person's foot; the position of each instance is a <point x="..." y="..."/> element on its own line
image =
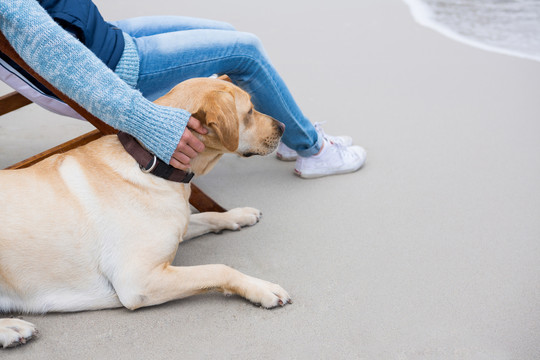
<point x="285" y="153"/>
<point x="333" y="159"/>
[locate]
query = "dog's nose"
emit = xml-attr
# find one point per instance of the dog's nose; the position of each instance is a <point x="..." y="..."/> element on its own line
<point x="281" y="127"/>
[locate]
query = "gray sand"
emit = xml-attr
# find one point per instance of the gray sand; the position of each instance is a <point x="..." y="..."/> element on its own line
<point x="431" y="251"/>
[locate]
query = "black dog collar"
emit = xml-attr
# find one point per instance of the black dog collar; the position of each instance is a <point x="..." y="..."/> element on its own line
<point x="149" y="163"/>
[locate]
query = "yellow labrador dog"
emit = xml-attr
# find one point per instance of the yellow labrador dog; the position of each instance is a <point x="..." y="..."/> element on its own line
<point x="89" y="230"/>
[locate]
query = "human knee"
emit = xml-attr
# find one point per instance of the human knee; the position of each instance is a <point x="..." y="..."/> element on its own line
<point x="252" y="46"/>
<point x="225" y="26"/>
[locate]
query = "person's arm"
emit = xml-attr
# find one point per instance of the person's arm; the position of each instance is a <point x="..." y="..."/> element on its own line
<point x="74" y="70"/>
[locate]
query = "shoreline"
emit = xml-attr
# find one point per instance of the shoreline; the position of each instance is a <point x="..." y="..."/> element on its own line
<point x="422" y="15"/>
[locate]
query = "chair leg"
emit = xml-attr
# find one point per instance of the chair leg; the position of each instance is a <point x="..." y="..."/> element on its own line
<point x="202" y="202"/>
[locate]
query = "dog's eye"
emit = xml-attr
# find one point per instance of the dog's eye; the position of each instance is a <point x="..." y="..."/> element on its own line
<point x="249" y="117"/>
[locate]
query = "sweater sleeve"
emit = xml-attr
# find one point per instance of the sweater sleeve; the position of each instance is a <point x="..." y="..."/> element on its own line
<point x="73" y="69"/>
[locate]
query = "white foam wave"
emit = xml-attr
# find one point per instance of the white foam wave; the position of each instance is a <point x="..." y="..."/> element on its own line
<point x="424" y="15"/>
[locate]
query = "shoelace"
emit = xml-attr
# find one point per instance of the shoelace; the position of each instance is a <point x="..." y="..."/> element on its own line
<point x="318" y="127"/>
<point x="330" y="138"/>
<point x="344" y="152"/>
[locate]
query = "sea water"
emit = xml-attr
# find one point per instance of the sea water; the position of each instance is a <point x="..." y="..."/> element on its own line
<point x="506" y="26"/>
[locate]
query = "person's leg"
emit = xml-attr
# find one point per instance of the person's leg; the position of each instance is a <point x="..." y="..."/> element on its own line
<point x="171" y="57"/>
<point x="152" y="25"/>
<point x="174" y="49"/>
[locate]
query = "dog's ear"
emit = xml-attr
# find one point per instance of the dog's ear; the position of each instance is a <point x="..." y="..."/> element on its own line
<point x="219" y="113"/>
<point x="225" y="78"/>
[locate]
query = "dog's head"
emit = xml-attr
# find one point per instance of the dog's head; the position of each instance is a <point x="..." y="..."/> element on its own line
<point x="234" y="126"/>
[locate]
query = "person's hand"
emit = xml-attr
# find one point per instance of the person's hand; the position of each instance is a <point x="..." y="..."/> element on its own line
<point x="189" y="145"/>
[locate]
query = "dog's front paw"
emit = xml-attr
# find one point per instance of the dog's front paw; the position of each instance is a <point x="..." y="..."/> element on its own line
<point x="265" y="293"/>
<point x="240" y="217"/>
<point x="15" y="332"/>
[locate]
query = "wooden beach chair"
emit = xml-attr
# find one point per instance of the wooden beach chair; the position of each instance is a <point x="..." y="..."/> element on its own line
<point x="13" y="101"/>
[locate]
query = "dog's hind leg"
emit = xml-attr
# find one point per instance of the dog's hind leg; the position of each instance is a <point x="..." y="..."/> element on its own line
<point x="203" y="223"/>
<point x="14" y="332"/>
<point x="166" y="283"/>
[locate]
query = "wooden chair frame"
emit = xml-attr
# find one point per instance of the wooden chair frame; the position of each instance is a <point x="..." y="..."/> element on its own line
<point x="13" y="101"/>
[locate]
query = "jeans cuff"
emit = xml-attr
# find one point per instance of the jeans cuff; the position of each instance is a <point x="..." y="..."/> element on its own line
<point x="312" y="150"/>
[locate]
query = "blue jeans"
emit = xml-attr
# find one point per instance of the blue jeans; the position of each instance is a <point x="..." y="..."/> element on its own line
<point x="174" y="48"/>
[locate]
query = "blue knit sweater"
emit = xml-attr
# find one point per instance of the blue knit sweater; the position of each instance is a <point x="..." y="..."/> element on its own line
<point x="73" y="69"/>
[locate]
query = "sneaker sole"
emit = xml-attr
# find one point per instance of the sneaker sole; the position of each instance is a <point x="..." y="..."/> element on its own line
<point x="286" y="158"/>
<point x="319" y="175"/>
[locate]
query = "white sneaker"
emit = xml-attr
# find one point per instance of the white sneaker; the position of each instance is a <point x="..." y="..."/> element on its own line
<point x="334" y="159"/>
<point x="285" y="153"/>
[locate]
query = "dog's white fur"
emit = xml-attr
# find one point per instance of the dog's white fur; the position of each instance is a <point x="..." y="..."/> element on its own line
<point x="87" y="230"/>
